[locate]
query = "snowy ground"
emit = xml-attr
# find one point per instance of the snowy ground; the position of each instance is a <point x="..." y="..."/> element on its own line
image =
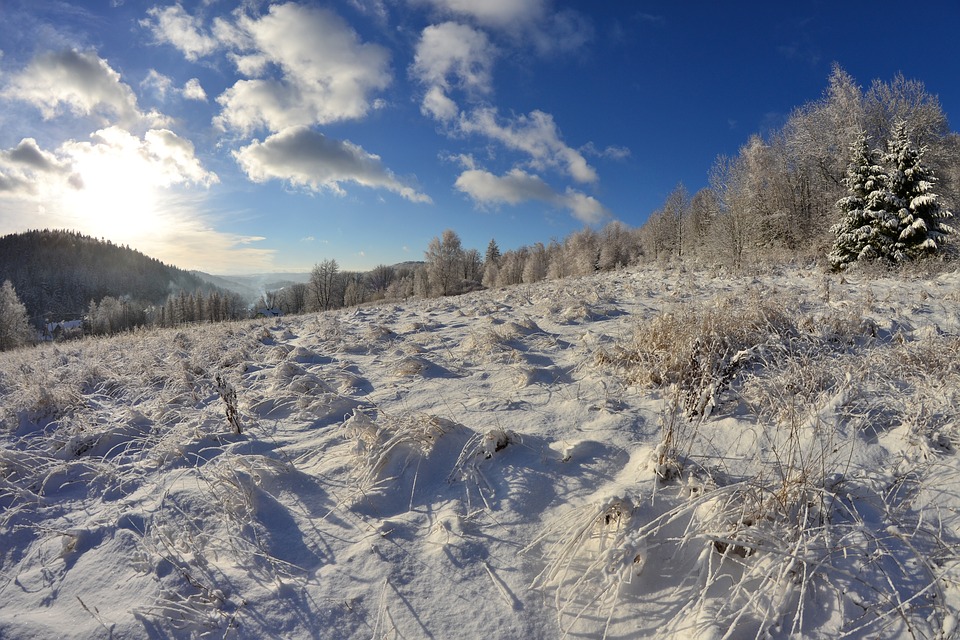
<point x="638" y="454"/>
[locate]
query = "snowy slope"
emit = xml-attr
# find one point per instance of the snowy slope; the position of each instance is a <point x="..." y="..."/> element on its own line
<point x="642" y="453"/>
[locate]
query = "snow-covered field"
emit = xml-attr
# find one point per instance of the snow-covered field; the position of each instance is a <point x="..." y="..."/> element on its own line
<point x="644" y="453"/>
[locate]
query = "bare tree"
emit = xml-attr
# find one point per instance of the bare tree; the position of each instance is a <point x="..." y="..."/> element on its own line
<point x="355" y="293"/>
<point x="583" y="252"/>
<point x="293" y="298"/>
<point x="511" y="267"/>
<point x="380" y="278"/>
<point x="535" y="265"/>
<point x="907" y="101"/>
<point x="735" y="223"/>
<point x="704" y="212"/>
<point x="472" y="266"/>
<point x="325" y="285"/>
<point x="444" y="258"/>
<point x="674" y="219"/>
<point x="618" y="246"/>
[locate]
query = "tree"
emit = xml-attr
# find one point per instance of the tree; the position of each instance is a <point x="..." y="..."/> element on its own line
<point x="493" y="253"/>
<point x="617" y="246"/>
<point x="355" y="292"/>
<point x="535" y="265"/>
<point x="674" y="218"/>
<point x="582" y="252"/>
<point x="866" y="229"/>
<point x="704" y="211"/>
<point x="325" y="285"/>
<point x="511" y="267"/>
<point x="887" y="104"/>
<point x="444" y="258"/>
<point x="922" y="221"/>
<point x="15" y="329"/>
<point x="294" y="298"/>
<point x="472" y="266"/>
<point x="891" y="211"/>
<point x="737" y="223"/>
<point x="380" y="278"/>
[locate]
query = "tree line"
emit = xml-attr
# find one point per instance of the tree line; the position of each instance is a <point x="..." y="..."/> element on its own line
<point x="857" y="175"/>
<point x="780" y="195"/>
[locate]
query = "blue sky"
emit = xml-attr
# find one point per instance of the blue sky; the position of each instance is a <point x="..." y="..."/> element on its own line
<point x="252" y="137"/>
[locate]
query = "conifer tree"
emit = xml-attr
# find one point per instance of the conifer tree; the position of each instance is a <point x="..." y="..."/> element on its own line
<point x="866" y="230"/>
<point x="921" y="220"/>
<point x="493" y="253"/>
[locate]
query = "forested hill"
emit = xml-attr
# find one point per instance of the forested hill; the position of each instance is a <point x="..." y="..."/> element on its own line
<point x="60" y="272"/>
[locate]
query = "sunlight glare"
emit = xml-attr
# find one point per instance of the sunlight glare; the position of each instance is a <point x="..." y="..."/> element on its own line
<point x="118" y="198"/>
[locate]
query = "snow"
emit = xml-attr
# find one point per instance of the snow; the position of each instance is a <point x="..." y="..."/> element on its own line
<point x="642" y="453"/>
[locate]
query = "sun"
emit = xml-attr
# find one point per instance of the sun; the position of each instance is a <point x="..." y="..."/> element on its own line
<point x="116" y="196"/>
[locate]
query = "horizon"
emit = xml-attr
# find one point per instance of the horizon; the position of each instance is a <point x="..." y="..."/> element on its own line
<point x="277" y="135"/>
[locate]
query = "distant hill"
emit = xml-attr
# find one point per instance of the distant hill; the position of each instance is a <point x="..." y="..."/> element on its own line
<point x="252" y="286"/>
<point x="57" y="273"/>
<point x="249" y="294"/>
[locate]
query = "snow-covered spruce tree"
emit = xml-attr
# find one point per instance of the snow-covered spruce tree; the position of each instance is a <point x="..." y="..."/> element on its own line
<point x="866" y="230"/>
<point x="15" y="329"/>
<point x="921" y="219"/>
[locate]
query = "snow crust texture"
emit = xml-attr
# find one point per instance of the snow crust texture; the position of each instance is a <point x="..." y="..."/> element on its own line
<point x="644" y="453"/>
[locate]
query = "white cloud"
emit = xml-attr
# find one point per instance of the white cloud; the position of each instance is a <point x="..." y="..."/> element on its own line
<point x="452" y="56"/>
<point x="162" y="86"/>
<point x="174" y="159"/>
<point x="327" y="73"/>
<point x="193" y="90"/>
<point x="158" y="83"/>
<point x="437" y="105"/>
<point x="193" y="243"/>
<point x="497" y="13"/>
<point x="584" y="208"/>
<point x="526" y="23"/>
<point x="375" y="8"/>
<point x="518" y="186"/>
<point x="80" y="82"/>
<point x="535" y="134"/>
<point x="612" y="152"/>
<point x="307" y="158"/>
<point x="456" y="50"/>
<point x="513" y="188"/>
<point x="24" y="168"/>
<point x="172" y="25"/>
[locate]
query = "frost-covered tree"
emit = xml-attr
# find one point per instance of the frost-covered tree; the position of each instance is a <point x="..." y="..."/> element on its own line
<point x="673" y="219"/>
<point x="582" y="250"/>
<point x="535" y="265"/>
<point x="922" y="221"/>
<point x="511" y="267"/>
<point x="380" y="278"/>
<point x="491" y="273"/>
<point x="866" y="229"/>
<point x="472" y="266"/>
<point x="735" y="226"/>
<point x="444" y="258"/>
<point x="15" y="329"/>
<point x="326" y="285"/>
<point x="400" y="288"/>
<point x="887" y="104"/>
<point x="355" y="293"/>
<point x="618" y="246"/>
